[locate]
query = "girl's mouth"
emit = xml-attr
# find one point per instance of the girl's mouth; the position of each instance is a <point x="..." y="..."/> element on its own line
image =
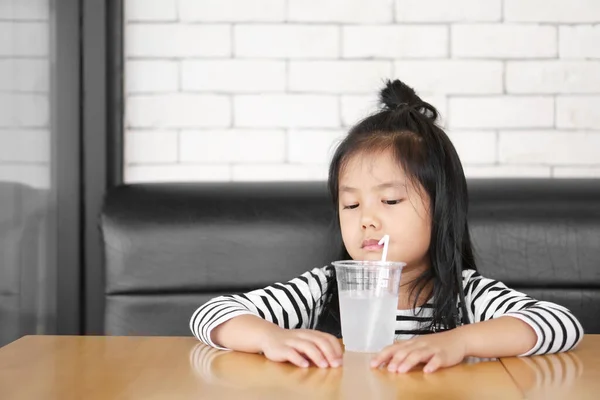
<point x="372" y="245"/>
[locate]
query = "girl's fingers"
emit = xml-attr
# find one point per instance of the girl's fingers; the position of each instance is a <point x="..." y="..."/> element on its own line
<point x="397" y="359"/>
<point x="295" y="358"/>
<point x="388" y="352"/>
<point x="415" y="357"/>
<point x="433" y="365"/>
<point x="327" y="349"/>
<point x="335" y="344"/>
<point x="311" y="351"/>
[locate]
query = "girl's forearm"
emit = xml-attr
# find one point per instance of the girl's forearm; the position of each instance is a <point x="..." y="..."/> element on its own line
<point x="500" y="337"/>
<point x="243" y="333"/>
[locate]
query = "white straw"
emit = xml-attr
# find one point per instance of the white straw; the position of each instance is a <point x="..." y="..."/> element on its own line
<point x="381" y="288"/>
<point x="385" y="240"/>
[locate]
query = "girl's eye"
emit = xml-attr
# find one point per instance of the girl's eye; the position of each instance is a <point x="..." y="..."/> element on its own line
<point x="350" y="207"/>
<point x="391" y="202"/>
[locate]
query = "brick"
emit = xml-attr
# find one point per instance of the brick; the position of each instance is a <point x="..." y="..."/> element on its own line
<point x="150" y="10"/>
<point x="36" y="176"/>
<point x="549" y="147"/>
<point x="553" y="77"/>
<point x="357" y="107"/>
<point x="286" y="41"/>
<point x="178" y="111"/>
<point x="475" y="147"/>
<point x="343" y="11"/>
<point x="24" y="39"/>
<point x="24" y="110"/>
<point x="23" y="75"/>
<point x="338" y="76"/>
<point x="501" y="112"/>
<point x="24" y="10"/>
<point x="279" y="172"/>
<point x="448" y="11"/>
<point x="286" y="111"/>
<point x="234" y="75"/>
<point x="177" y="173"/>
<point x="26" y="146"/>
<point x="177" y="40"/>
<point x="506" y="171"/>
<point x="360" y="41"/>
<point x="559" y="11"/>
<point x="451" y="77"/>
<point x="579" y="41"/>
<point x="236" y="145"/>
<point x="151" y="76"/>
<point x="498" y="41"/>
<point x="576" y="172"/>
<point x="578" y="112"/>
<point x="313" y="146"/>
<point x="147" y="147"/>
<point x="232" y="10"/>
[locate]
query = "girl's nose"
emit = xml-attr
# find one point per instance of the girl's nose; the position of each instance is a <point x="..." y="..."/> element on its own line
<point x="370" y="221"/>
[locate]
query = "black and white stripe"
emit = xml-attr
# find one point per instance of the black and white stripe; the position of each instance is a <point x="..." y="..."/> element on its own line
<point x="297" y="304"/>
<point x="556" y="328"/>
<point x="293" y="305"/>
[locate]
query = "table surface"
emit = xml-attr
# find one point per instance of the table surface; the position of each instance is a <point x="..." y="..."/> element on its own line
<point x="109" y="367"/>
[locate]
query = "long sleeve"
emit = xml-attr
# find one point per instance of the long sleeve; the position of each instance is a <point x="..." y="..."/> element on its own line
<point x="556" y="328"/>
<point x="296" y="304"/>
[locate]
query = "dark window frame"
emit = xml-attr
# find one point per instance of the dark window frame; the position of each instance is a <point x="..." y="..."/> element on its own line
<point x="87" y="115"/>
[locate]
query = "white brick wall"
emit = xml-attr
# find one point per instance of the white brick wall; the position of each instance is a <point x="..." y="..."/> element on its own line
<point x="395" y="41"/>
<point x="233" y="76"/>
<point x="448" y="11"/>
<point x="337" y="76"/>
<point x="231" y="10"/>
<point x="265" y="89"/>
<point x="286" y="41"/>
<point x="451" y="76"/>
<point x="501" y="112"/>
<point x="178" y="110"/>
<point x="579" y="41"/>
<point x="25" y="151"/>
<point x="288" y="111"/>
<point x="177" y="40"/>
<point x="343" y="11"/>
<point x="234" y="145"/>
<point x="553" y="77"/>
<point x="503" y="41"/>
<point x="556" y="11"/>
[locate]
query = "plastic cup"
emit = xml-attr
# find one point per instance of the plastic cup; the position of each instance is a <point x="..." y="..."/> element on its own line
<point x="368" y="293"/>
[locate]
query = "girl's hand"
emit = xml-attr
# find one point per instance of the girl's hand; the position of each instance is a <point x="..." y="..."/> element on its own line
<point x="299" y="346"/>
<point x="436" y="350"/>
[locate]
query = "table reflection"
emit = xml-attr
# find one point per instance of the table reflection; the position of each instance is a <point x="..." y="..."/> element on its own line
<point x="549" y="376"/>
<point x="248" y="371"/>
<point x="354" y="380"/>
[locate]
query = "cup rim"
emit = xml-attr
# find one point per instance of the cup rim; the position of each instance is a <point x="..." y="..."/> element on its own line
<point x="368" y="263"/>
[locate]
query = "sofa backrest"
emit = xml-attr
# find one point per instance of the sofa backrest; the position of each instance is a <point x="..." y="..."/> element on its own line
<point x="168" y="248"/>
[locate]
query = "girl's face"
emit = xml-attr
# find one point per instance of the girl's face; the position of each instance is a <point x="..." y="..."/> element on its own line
<point x="376" y="199"/>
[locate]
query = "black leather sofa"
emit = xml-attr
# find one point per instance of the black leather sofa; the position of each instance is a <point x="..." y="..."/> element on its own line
<point x="168" y="248"/>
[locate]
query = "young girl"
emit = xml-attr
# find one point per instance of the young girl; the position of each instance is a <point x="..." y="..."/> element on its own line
<point x="395" y="173"/>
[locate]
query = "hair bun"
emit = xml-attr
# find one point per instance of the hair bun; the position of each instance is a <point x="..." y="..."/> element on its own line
<point x="397" y="95"/>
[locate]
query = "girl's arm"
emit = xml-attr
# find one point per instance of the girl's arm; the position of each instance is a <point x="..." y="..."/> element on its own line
<point x="292" y="305"/>
<point x="515" y="323"/>
<point x="507" y="323"/>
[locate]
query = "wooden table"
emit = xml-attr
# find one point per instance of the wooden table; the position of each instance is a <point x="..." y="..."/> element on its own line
<point x="78" y="367"/>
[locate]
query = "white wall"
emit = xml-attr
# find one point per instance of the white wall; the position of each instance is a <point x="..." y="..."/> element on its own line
<point x="263" y="89"/>
<point x="24" y="92"/>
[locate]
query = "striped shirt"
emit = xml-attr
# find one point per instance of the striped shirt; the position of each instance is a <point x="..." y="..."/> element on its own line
<point x="298" y="303"/>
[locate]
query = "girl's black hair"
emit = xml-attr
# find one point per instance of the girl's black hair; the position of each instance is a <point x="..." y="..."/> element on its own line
<point x="406" y="125"/>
